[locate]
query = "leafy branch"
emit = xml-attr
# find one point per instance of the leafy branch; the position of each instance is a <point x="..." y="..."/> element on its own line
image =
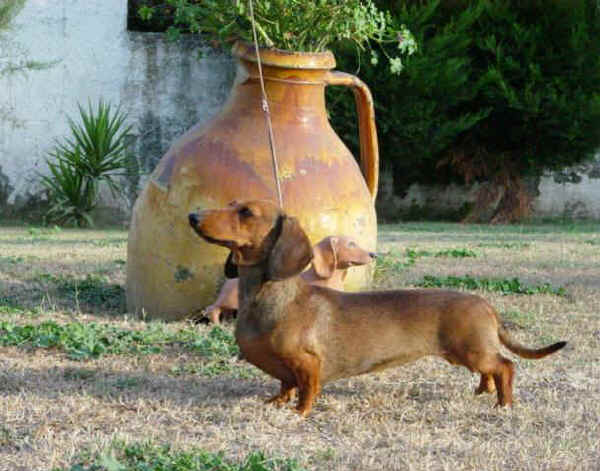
<point x="297" y="25"/>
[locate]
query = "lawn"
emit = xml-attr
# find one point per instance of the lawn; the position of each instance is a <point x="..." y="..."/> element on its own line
<point x="85" y="387"/>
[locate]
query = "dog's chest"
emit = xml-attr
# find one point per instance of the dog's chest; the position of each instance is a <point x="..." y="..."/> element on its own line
<point x="262" y="310"/>
<point x="261" y="349"/>
<point x="260" y="330"/>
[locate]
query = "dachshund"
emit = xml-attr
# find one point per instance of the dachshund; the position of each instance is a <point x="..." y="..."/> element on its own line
<point x="306" y="336"/>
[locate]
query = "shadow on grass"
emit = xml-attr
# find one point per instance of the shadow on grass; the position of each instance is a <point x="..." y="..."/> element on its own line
<point x="48" y="240"/>
<point x="94" y="294"/>
<point x="111" y="384"/>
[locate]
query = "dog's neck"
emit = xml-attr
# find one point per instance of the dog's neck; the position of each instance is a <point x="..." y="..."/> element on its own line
<point x="262" y="302"/>
<point x="335" y="281"/>
<point x="251" y="279"/>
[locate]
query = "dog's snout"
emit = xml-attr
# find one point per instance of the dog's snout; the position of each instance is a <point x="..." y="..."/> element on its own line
<point x="193" y="218"/>
<point x="372" y="255"/>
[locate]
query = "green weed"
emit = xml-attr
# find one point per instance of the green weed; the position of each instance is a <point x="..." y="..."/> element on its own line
<point x="108" y="242"/>
<point x="395" y="261"/>
<point x="392" y="262"/>
<point x="91" y="340"/>
<point x="218" y="349"/>
<point x="80" y="341"/>
<point x="505" y="286"/>
<point x="505" y="245"/>
<point x="9" y="305"/>
<point x="12" y="260"/>
<point x="43" y="232"/>
<point x="148" y="457"/>
<point x="455" y="253"/>
<point x="218" y="343"/>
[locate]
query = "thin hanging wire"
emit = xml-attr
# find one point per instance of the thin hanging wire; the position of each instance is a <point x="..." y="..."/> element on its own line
<point x="265" y="107"/>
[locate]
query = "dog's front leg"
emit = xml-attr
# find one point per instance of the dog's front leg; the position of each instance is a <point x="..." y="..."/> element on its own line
<point x="307" y="368"/>
<point x="286" y="394"/>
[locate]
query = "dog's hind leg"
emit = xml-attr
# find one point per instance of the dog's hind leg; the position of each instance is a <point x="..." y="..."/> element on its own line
<point x="503" y="377"/>
<point x="491" y="365"/>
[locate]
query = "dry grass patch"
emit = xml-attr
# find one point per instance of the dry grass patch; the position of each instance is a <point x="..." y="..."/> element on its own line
<point x="151" y="394"/>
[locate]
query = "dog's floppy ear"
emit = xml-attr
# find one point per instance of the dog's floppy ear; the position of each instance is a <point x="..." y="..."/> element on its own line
<point x="231" y="269"/>
<point x="291" y="251"/>
<point x="325" y="257"/>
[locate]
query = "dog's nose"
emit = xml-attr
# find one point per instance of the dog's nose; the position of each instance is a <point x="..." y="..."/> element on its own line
<point x="193" y="218"/>
<point x="372" y="255"/>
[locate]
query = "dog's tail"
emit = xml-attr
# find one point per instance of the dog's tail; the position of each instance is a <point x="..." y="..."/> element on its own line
<point x="525" y="352"/>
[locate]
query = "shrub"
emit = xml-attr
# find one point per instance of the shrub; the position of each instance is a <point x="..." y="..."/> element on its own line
<point x="95" y="154"/>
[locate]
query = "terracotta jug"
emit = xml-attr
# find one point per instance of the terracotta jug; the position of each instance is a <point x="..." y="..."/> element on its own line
<point x="171" y="272"/>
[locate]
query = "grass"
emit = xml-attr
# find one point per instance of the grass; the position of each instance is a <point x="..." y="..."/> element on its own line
<point x="84" y="341"/>
<point x="151" y="457"/>
<point x="84" y="386"/>
<point x="504" y="286"/>
<point x="519" y="320"/>
<point x="94" y="289"/>
<point x="395" y="260"/>
<point x="505" y="245"/>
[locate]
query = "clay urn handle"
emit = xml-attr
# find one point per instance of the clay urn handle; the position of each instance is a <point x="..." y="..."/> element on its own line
<point x="369" y="148"/>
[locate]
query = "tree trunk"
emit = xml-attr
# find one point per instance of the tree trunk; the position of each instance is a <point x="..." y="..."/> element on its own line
<point x="515" y="204"/>
<point x="504" y="200"/>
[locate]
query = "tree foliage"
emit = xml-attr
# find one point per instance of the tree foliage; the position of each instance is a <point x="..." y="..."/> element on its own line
<point x="8" y="10"/>
<point x="498" y="91"/>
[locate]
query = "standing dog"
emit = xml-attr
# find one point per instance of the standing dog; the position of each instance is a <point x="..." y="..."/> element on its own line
<point x="307" y="335"/>
<point x="332" y="257"/>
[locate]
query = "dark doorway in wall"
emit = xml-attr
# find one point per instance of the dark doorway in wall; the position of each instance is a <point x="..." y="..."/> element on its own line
<point x="161" y="19"/>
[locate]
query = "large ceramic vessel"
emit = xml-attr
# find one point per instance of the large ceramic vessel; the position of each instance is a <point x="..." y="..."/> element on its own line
<point x="171" y="272"/>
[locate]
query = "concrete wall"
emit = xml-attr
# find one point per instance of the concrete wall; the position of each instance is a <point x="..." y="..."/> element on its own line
<point x="577" y="196"/>
<point x="573" y="194"/>
<point x="165" y="87"/>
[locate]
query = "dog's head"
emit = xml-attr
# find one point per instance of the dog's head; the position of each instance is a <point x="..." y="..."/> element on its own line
<point x="257" y="233"/>
<point x="339" y="253"/>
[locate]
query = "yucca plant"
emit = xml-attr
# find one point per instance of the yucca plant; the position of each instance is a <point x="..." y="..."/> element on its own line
<point x="71" y="197"/>
<point x="94" y="154"/>
<point x="101" y="139"/>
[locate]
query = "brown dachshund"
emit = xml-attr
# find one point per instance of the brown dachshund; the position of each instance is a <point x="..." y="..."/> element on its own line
<point x="333" y="255"/>
<point x="308" y="335"/>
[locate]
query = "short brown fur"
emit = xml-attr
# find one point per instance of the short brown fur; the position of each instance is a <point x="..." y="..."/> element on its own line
<point x="307" y="335"/>
<point x="332" y="256"/>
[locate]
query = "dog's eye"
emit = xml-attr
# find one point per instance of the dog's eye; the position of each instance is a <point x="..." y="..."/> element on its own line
<point x="245" y="211"/>
<point x="351" y="244"/>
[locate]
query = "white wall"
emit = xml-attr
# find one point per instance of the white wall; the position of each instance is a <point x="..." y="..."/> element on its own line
<point x="577" y="198"/>
<point x="573" y="200"/>
<point x="163" y="86"/>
